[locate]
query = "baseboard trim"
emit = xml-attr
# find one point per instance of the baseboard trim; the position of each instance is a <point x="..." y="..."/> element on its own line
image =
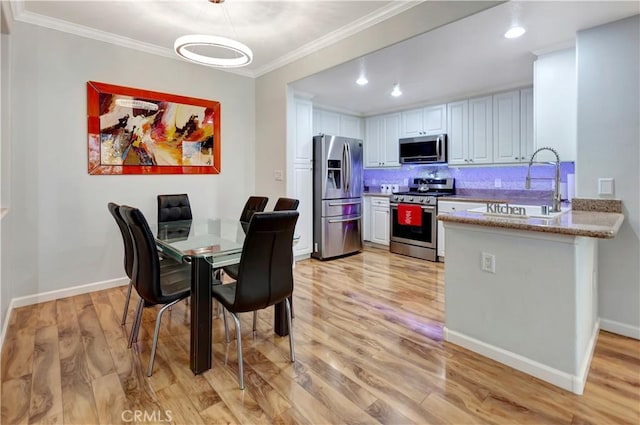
<point x="56" y="295"/>
<point x="564" y="380"/>
<point x="620" y="328"/>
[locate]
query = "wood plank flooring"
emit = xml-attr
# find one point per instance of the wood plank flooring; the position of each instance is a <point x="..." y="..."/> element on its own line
<point x="369" y="349"/>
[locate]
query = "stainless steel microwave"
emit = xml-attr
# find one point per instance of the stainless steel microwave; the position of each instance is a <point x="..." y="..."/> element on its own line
<point x="424" y="149"/>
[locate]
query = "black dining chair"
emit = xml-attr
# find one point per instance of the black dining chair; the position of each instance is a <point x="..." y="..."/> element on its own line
<point x="153" y="287"/>
<point x="286" y="204"/>
<point x="282" y="204"/>
<point x="265" y="275"/>
<point x="253" y="205"/>
<point x="166" y="265"/>
<point x="174" y="208"/>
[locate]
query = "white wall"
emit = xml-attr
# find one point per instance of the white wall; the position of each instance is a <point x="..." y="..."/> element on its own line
<point x="5" y="153"/>
<point x="58" y="233"/>
<point x="608" y="67"/>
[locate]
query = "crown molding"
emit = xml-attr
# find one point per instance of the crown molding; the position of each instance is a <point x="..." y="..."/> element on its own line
<point x="394" y="8"/>
<point x="22" y="15"/>
<point x="352" y="28"/>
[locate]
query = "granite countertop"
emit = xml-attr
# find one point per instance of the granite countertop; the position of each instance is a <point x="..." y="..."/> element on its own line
<point x="592" y="219"/>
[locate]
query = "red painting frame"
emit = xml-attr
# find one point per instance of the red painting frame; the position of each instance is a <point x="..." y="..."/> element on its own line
<point x="95" y="161"/>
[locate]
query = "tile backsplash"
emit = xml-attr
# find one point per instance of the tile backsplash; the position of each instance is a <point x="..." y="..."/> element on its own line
<point x="503" y="177"/>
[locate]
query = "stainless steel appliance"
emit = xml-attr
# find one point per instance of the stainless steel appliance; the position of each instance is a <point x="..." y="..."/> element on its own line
<point x="424" y="149"/>
<point x="419" y="241"/>
<point x="337" y="196"/>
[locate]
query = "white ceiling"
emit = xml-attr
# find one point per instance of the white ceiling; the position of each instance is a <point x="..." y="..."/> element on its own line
<point x="278" y="31"/>
<point x="461" y="59"/>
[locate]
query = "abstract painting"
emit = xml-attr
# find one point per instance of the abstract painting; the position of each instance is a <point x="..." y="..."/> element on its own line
<point x="134" y="131"/>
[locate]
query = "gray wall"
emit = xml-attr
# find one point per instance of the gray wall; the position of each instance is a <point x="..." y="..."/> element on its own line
<point x="608" y="69"/>
<point x="58" y="233"/>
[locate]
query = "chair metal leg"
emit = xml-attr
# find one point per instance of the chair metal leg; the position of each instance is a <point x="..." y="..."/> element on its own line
<point x="135" y="327"/>
<point x="126" y="303"/>
<point x="255" y="319"/>
<point x="291" y="349"/>
<point x="155" y="336"/>
<point x="293" y="314"/>
<point x="236" y="319"/>
<point x="226" y="326"/>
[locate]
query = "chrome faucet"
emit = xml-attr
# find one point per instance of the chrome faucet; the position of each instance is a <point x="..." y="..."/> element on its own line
<point x="555" y="207"/>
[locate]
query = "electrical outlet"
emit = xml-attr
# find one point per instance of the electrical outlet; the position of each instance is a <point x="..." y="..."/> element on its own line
<point x="277" y="174"/>
<point x="497" y="183"/>
<point x="488" y="262"/>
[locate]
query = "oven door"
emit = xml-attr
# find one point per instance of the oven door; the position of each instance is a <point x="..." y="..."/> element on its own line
<point x="423" y="235"/>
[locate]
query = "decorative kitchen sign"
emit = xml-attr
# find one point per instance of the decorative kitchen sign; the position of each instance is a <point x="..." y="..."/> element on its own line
<point x="504" y="208"/>
<point x="133" y="131"/>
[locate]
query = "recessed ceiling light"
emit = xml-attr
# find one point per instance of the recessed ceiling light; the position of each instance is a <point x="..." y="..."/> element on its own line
<point x="362" y="81"/>
<point x="514" y="32"/>
<point x="396" y="91"/>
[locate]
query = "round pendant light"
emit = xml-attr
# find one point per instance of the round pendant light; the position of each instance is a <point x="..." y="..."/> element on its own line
<point x="182" y="45"/>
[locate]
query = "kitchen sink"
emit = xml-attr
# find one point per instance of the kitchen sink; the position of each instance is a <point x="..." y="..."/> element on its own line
<point x="530" y="211"/>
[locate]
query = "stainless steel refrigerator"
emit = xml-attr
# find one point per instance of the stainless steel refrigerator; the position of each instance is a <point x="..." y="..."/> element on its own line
<point x="337" y="196"/>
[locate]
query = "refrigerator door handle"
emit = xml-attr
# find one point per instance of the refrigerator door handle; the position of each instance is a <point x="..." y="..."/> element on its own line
<point x="344" y="220"/>
<point x="343" y="167"/>
<point x="339" y="204"/>
<point x="348" y="167"/>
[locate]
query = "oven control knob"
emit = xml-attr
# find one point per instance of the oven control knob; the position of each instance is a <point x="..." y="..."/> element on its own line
<point x="411" y="199"/>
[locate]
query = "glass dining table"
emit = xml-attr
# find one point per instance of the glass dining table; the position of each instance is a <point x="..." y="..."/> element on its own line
<point x="208" y="245"/>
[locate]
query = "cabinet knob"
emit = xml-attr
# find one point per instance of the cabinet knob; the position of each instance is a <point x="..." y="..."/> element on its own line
<point x="471" y="160"/>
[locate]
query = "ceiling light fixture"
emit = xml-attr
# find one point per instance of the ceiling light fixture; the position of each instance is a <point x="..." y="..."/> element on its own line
<point x="514" y="32"/>
<point x="396" y="91"/>
<point x="362" y="81"/>
<point x="183" y="44"/>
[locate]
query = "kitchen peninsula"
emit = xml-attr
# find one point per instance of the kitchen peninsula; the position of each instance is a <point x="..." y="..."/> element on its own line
<point x="523" y="291"/>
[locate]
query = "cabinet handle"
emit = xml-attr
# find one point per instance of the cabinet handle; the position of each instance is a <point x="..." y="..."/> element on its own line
<point x="471" y="160"/>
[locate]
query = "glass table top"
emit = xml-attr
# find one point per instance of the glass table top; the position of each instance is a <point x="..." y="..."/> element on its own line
<point x="218" y="240"/>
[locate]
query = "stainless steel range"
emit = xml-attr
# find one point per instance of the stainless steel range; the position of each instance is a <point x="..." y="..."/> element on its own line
<point x="414" y="228"/>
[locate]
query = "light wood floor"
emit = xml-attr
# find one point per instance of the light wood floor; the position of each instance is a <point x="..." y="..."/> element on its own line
<point x="368" y="333"/>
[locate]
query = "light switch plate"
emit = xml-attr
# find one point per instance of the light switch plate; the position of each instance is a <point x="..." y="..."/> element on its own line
<point x="605" y="186"/>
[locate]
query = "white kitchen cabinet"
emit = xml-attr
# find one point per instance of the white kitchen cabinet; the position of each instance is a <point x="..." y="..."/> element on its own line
<point x="458" y="132"/>
<point x="381" y="141"/>
<point x="350" y="126"/>
<point x="302" y="182"/>
<point x="424" y="121"/>
<point x="303" y="139"/>
<point x="326" y="122"/>
<point x="470" y="126"/>
<point x="555" y="104"/>
<point x="302" y="175"/>
<point x="506" y="127"/>
<point x="449" y="207"/>
<point x="527" y="143"/>
<point x="336" y="124"/>
<point x="380" y="220"/>
<point x="481" y="130"/>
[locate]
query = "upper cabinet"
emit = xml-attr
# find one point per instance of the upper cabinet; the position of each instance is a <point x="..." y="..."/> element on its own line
<point x="336" y="124"/>
<point x="458" y="135"/>
<point x="381" y="147"/>
<point x="494" y="129"/>
<point x="506" y="127"/>
<point x="424" y="121"/>
<point x="481" y="130"/>
<point x="303" y="140"/>
<point x="555" y="103"/>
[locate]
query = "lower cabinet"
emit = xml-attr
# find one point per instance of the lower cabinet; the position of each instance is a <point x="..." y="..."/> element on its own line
<point x="377" y="220"/>
<point x="449" y="207"/>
